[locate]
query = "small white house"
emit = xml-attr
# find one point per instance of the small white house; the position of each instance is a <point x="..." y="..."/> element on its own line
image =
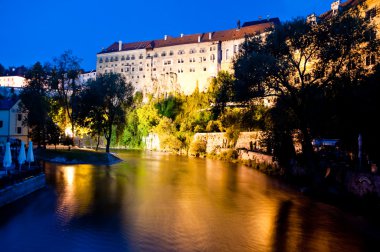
<point x="11" y="121"/>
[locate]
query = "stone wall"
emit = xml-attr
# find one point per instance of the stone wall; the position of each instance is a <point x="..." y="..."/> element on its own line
<point x="258" y="158"/>
<point x="16" y="191"/>
<point x="246" y="140"/>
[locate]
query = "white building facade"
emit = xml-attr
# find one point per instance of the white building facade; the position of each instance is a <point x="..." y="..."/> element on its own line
<point x="178" y="64"/>
<point x="11" y="121"/>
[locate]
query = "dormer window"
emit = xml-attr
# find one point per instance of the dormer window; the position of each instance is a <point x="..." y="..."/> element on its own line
<point x="311" y="19"/>
<point x="192" y="51"/>
<point x="335" y="7"/>
<point x="122" y="58"/>
<point x="100" y="60"/>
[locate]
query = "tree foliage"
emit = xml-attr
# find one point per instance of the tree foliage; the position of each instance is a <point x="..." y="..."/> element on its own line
<point x="37" y="104"/>
<point x="103" y="103"/>
<point x="298" y="62"/>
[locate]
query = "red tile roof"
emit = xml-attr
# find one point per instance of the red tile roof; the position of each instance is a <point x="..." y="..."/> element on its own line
<point x="248" y="29"/>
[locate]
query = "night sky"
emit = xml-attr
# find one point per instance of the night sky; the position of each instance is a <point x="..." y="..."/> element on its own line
<point x="40" y="30"/>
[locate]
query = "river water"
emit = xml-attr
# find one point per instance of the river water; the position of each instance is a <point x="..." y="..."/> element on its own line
<point x="160" y="202"/>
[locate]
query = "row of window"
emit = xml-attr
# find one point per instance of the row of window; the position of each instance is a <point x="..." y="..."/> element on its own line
<point x="163" y="54"/>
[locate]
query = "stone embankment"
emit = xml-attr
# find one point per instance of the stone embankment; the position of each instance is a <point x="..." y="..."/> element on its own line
<point x="13" y="192"/>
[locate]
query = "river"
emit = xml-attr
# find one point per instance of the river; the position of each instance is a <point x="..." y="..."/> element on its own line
<point x="161" y="202"/>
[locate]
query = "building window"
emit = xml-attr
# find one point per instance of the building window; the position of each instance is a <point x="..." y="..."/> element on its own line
<point x="163" y="54"/>
<point x="128" y="58"/>
<point x="370" y="60"/>
<point x="140" y="69"/>
<point x="296" y="80"/>
<point x="180" y="52"/>
<point x="100" y="60"/>
<point x="18" y="130"/>
<point x="155" y="55"/>
<point x="122" y="57"/>
<point x="141" y="56"/>
<point x="235" y="48"/>
<point x="205" y="69"/>
<point x="1" y="124"/>
<point x="192" y="50"/>
<point x="307" y="77"/>
<point x="19" y="117"/>
<point x="192" y="70"/>
<point x="107" y="59"/>
<point x="212" y="57"/>
<point x="116" y="58"/>
<point x="202" y="50"/>
<point x="122" y="70"/>
<point x="227" y="54"/>
<point x="171" y="53"/>
<point x="132" y="57"/>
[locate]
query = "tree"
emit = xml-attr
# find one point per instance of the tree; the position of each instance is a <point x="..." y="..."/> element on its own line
<point x="221" y="90"/>
<point x="2" y="70"/>
<point x="298" y="61"/>
<point x="103" y="103"/>
<point x="36" y="103"/>
<point x="64" y="75"/>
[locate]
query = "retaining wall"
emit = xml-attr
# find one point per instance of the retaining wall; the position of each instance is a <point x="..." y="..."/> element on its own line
<point x="19" y="190"/>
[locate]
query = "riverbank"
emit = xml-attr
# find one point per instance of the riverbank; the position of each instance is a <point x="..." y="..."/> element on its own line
<point x="76" y="156"/>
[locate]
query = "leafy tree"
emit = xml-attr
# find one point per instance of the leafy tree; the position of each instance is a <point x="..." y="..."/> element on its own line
<point x="2" y="70"/>
<point x="36" y="102"/>
<point x="64" y="75"/>
<point x="103" y="103"/>
<point x="221" y="90"/>
<point x="298" y="61"/>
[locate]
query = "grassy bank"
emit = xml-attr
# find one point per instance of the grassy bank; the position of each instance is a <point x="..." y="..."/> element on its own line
<point x="76" y="156"/>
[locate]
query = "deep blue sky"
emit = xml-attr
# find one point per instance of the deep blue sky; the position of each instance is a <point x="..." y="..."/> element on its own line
<point x="40" y="30"/>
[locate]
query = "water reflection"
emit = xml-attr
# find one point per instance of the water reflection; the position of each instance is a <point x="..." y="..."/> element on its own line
<point x="159" y="202"/>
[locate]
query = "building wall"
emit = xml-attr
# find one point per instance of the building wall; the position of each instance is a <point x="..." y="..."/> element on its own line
<point x="13" y="124"/>
<point x="12" y="81"/>
<point x="172" y="69"/>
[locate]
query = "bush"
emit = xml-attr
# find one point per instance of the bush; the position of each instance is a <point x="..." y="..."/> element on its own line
<point x="198" y="147"/>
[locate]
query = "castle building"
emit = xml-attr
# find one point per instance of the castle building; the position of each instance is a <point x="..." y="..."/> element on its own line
<point x="178" y="64"/>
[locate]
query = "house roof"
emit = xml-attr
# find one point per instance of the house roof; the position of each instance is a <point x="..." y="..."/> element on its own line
<point x="248" y="29"/>
<point x="7" y="104"/>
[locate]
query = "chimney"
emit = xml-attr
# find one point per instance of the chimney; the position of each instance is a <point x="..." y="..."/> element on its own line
<point x="210" y="35"/>
<point x="181" y="35"/>
<point x="165" y="37"/>
<point x="199" y="38"/>
<point x="238" y="25"/>
<point x="120" y="45"/>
